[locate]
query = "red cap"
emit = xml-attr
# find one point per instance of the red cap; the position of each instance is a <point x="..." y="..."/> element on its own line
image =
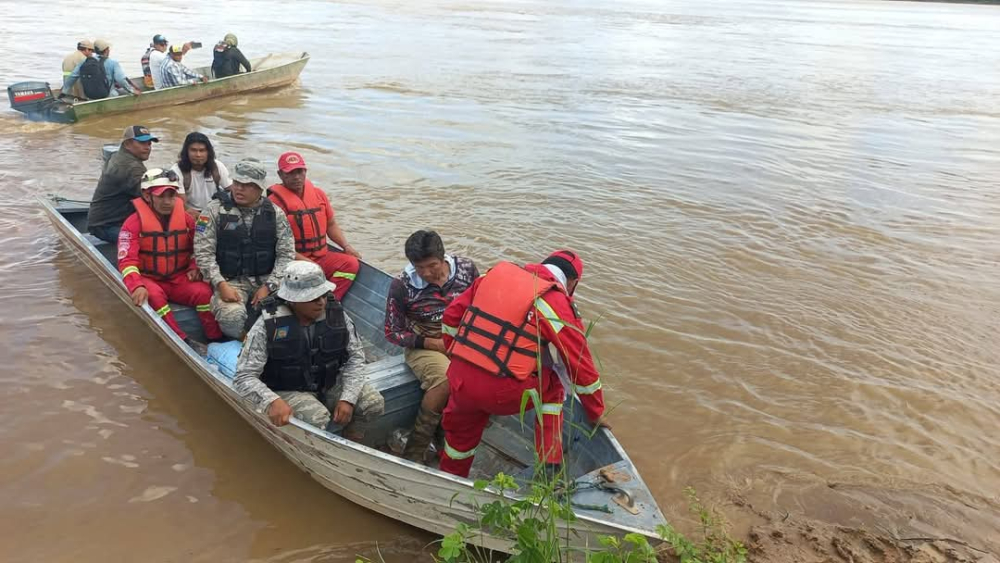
<point x="291" y="161"/>
<point x="158" y="190"/>
<point x="568" y="261"/>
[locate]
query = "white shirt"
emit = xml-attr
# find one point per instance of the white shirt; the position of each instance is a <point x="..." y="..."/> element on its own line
<point x="202" y="188"/>
<point x="155" y="60"/>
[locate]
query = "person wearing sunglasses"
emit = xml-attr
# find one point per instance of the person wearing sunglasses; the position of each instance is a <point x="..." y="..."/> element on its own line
<point x="155" y="249"/>
<point x="303" y="358"/>
<point x="119" y="184"/>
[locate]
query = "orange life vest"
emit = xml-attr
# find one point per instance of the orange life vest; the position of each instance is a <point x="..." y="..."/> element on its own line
<point x="163" y="253"/>
<point x="499" y="330"/>
<point x="306" y="215"/>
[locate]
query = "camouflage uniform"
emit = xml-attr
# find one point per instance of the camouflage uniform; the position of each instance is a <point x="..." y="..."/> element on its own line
<point x="232" y="316"/>
<point x="351" y="386"/>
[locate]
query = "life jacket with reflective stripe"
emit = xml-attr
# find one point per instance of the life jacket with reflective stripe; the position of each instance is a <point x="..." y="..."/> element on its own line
<point x="163" y="253"/>
<point x="306" y="215"/>
<point x="499" y="330"/>
<point x="295" y="363"/>
<point x="241" y="252"/>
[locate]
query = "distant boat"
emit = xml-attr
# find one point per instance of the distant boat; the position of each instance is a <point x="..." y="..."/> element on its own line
<point x="609" y="496"/>
<point x="40" y="103"/>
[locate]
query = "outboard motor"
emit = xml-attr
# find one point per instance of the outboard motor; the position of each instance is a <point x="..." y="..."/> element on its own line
<point x="31" y="97"/>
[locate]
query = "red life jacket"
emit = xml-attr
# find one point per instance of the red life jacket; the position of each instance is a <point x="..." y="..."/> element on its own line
<point x="163" y="253"/>
<point x="499" y="330"/>
<point x="306" y="215"/>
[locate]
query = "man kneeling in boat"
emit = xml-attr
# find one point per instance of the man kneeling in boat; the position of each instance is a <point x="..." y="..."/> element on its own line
<point x="154" y="254"/>
<point x="303" y="357"/>
<point x="242" y="244"/>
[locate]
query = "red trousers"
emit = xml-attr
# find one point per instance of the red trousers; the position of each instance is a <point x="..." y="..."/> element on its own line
<point x="476" y="394"/>
<point x="340" y="268"/>
<point x="182" y="291"/>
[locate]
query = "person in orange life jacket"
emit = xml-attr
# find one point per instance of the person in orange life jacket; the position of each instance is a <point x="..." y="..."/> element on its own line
<point x="155" y="248"/>
<point x="489" y="379"/>
<point x="313" y="220"/>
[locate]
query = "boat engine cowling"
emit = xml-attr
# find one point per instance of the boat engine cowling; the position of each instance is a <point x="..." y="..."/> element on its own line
<point x="31" y="97"/>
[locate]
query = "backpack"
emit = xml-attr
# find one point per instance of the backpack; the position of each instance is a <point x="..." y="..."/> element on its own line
<point x="94" y="79"/>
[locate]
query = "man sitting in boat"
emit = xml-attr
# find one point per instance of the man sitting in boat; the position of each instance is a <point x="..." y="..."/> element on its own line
<point x="303" y="358"/>
<point x="417" y="299"/>
<point x="154" y="254"/>
<point x="227" y="58"/>
<point x="101" y="76"/>
<point x="119" y="184"/>
<point x="494" y="333"/>
<point x="174" y="73"/>
<point x="84" y="49"/>
<point x="201" y="175"/>
<point x="313" y="220"/>
<point x="242" y="244"/>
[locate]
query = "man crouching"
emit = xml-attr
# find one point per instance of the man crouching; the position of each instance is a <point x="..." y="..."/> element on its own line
<point x="303" y="357"/>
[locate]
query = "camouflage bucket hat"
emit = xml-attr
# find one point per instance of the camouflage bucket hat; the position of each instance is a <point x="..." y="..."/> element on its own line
<point x="303" y="281"/>
<point x="250" y="171"/>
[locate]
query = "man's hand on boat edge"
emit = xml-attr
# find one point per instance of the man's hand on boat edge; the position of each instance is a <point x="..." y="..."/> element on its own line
<point x="139" y="296"/>
<point x="279" y="412"/>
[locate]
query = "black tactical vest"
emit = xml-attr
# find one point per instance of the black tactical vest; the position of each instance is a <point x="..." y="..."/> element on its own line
<point x="242" y="253"/>
<point x="297" y="364"/>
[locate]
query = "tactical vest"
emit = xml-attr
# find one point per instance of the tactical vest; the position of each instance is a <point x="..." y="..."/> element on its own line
<point x="240" y="252"/>
<point x="297" y="364"/>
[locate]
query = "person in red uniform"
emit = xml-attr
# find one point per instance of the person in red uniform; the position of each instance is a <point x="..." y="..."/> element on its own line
<point x="312" y="219"/>
<point x="492" y="333"/>
<point x="155" y="249"/>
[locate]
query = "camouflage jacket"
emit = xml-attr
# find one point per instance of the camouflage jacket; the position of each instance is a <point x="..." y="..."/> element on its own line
<point x="253" y="357"/>
<point x="206" y="236"/>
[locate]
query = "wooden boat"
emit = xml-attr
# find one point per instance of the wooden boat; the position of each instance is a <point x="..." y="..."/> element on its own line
<point x="38" y="102"/>
<point x="610" y="499"/>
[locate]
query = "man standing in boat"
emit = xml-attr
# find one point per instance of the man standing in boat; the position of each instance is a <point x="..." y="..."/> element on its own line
<point x="242" y="243"/>
<point x="303" y="358"/>
<point x="313" y="220"/>
<point x="119" y="184"/>
<point x="498" y="333"/>
<point x="413" y="309"/>
<point x="154" y="254"/>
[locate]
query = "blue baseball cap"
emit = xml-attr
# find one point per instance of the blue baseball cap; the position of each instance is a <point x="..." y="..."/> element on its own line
<point x="159" y="40"/>
<point x="138" y="133"/>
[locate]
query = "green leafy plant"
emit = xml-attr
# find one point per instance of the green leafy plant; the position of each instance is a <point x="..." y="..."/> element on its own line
<point x="715" y="546"/>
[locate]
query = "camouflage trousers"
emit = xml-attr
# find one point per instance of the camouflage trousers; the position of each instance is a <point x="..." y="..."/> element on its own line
<point x="232" y="316"/>
<point x="308" y="408"/>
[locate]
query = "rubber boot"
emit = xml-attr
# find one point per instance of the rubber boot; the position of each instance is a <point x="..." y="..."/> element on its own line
<point x="423" y="432"/>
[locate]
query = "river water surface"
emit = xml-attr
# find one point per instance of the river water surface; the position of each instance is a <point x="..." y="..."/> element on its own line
<point x="788" y="211"/>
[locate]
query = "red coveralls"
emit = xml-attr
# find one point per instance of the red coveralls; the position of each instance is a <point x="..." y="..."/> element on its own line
<point x="308" y="217"/>
<point x="138" y="270"/>
<point x="476" y="394"/>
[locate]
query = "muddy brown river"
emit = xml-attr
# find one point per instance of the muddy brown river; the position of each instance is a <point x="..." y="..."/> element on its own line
<point x="788" y="210"/>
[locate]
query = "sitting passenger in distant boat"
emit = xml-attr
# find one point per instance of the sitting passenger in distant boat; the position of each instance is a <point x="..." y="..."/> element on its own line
<point x="100" y="75"/>
<point x="417" y="300"/>
<point x="174" y="73"/>
<point x="227" y="58"/>
<point x="202" y="176"/>
<point x="303" y="358"/>
<point x="84" y="49"/>
<point x="154" y="255"/>
<point x="119" y="184"/>
<point x="242" y="244"/>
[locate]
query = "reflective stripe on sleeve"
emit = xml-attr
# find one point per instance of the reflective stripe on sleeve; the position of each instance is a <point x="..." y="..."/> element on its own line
<point x="550" y="314"/>
<point x="552" y="408"/>
<point x="588" y="389"/>
<point x="162" y="311"/>
<point x="449" y="330"/>
<point x="345" y="275"/>
<point x="131" y="270"/>
<point x="203" y="308"/>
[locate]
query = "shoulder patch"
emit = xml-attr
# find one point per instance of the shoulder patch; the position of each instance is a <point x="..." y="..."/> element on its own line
<point x="203" y="220"/>
<point x="281" y="333"/>
<point x="125" y="235"/>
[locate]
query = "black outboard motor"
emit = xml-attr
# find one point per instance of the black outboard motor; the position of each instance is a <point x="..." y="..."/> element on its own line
<point x="31" y="97"/>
